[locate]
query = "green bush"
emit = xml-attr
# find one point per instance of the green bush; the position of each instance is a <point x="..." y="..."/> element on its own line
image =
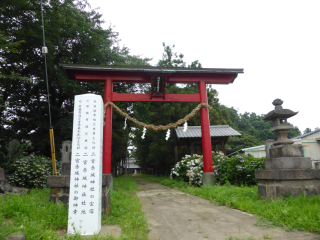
<point x="237" y="170"/>
<point x="189" y="169"/>
<point x="30" y="172"/>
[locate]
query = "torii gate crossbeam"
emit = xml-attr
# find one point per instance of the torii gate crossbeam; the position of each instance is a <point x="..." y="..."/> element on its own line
<point x="111" y="74"/>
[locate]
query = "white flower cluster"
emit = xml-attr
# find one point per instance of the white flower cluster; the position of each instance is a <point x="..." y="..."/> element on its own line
<point x="192" y="167"/>
<point x="31" y="172"/>
<point x="195" y="172"/>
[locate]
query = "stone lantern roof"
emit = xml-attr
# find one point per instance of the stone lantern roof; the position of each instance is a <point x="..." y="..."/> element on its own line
<point x="279" y="112"/>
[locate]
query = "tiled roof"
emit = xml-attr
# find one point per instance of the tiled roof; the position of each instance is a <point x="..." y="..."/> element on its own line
<point x="215" y="131"/>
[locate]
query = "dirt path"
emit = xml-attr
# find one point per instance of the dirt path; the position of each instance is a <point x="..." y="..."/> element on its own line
<point x="173" y="215"/>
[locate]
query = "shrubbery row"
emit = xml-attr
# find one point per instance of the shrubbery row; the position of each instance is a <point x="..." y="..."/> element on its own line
<point x="236" y="170"/>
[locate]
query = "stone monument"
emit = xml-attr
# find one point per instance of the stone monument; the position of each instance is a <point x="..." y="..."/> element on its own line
<point x="14" y="149"/>
<point x="86" y="166"/>
<point x="60" y="185"/>
<point x="287" y="171"/>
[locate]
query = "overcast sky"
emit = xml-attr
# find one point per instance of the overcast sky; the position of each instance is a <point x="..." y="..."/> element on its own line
<point x="276" y="42"/>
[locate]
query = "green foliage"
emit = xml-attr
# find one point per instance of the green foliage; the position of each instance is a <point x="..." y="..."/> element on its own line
<point x="292" y="213"/>
<point x="30" y="172"/>
<point x="32" y="214"/>
<point x="237" y="170"/>
<point x="189" y="169"/>
<point x="7" y="156"/>
<point x="170" y="58"/>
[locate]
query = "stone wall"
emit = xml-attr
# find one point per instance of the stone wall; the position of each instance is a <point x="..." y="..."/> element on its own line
<point x="275" y="188"/>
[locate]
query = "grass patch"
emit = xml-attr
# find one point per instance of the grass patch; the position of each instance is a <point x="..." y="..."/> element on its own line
<point x="126" y="209"/>
<point x="299" y="212"/>
<point x="34" y="216"/>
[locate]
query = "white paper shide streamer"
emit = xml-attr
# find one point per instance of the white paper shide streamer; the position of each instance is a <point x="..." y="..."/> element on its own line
<point x="125" y="124"/>
<point x="185" y="126"/>
<point x="168" y="135"/>
<point x="143" y="133"/>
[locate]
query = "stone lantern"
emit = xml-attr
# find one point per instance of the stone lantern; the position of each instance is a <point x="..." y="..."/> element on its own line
<point x="280" y="124"/>
<point x="287" y="171"/>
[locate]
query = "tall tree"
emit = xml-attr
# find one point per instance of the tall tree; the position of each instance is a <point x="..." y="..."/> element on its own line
<point x="73" y="35"/>
<point x="307" y="130"/>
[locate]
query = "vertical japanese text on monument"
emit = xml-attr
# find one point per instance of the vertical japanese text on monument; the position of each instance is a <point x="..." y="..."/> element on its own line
<point x="86" y="168"/>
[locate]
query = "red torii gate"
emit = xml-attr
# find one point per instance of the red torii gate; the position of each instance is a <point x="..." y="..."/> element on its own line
<point x="111" y="74"/>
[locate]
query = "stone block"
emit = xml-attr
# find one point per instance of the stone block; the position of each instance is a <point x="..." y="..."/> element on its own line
<point x="262" y="182"/>
<point x="271" y="191"/>
<point x="291" y="163"/>
<point x="286" y="174"/>
<point x="267" y="164"/>
<point x="65" y="168"/>
<point x="56" y="192"/>
<point x="107" y="180"/>
<point x="66" y="190"/>
<point x="67" y="181"/>
<point x="66" y="151"/>
<point x="317" y="165"/>
<point x="5" y="187"/>
<point x="293" y="174"/>
<point x="263" y="174"/>
<point x="208" y="179"/>
<point x="57" y="181"/>
<point x="105" y="201"/>
<point x="59" y="194"/>
<point x="268" y="144"/>
<point x="262" y="190"/>
<point x="14" y="149"/>
<point x="284" y="188"/>
<point x="290" y="150"/>
<point x="64" y="199"/>
<point x="284" y="191"/>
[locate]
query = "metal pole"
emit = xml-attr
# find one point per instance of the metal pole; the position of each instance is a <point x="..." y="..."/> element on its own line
<point x="45" y="52"/>
<point x="126" y="159"/>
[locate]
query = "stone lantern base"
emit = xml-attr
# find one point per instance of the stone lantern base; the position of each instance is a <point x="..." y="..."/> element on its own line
<point x="282" y="183"/>
<point x="288" y="173"/>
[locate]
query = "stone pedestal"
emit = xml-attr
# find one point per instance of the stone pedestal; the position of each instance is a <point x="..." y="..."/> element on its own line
<point x="208" y="179"/>
<point x="66" y="157"/>
<point x="60" y="187"/>
<point x="288" y="173"/>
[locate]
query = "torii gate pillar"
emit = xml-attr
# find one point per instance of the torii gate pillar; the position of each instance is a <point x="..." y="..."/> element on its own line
<point x="207" y="177"/>
<point x="107" y="129"/>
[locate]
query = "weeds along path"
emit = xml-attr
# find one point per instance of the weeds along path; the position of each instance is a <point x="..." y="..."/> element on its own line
<point x="173" y="214"/>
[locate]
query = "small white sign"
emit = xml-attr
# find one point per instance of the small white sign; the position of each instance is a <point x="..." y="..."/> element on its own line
<point x="86" y="166"/>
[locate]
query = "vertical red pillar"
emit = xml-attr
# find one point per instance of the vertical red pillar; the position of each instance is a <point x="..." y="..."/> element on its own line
<point x="205" y="130"/>
<point x="107" y="129"/>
